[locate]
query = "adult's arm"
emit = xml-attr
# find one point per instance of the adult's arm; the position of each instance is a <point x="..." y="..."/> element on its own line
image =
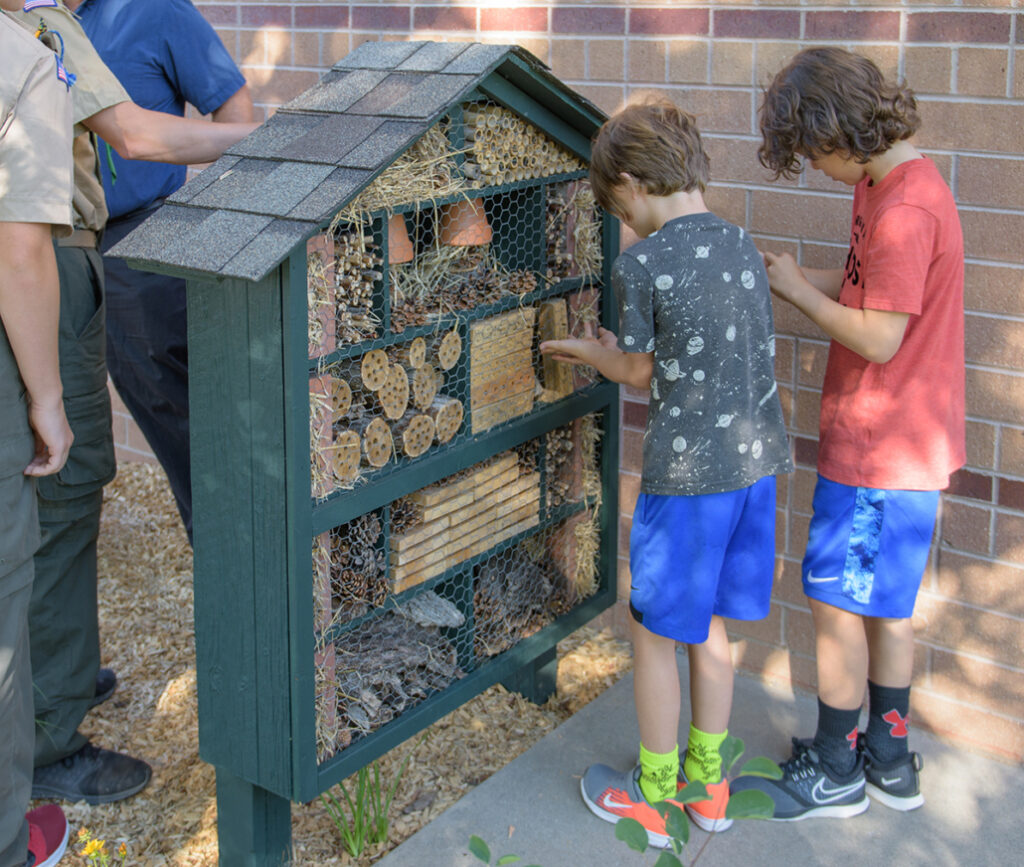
<point x="140" y="134"/>
<point x="237" y="108"/>
<point x="29" y="308"/>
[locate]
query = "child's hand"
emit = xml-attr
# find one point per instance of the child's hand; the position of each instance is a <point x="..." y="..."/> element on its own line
<point x="579" y="350"/>
<point x="784" y="275"/>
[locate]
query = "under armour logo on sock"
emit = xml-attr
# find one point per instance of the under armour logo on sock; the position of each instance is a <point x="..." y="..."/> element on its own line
<point x="897" y="723"/>
<point x="852" y="738"/>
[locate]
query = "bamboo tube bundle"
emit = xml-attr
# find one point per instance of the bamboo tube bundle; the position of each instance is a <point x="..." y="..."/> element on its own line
<point x="505" y="148"/>
<point x="446" y="413"/>
<point x="413" y="433"/>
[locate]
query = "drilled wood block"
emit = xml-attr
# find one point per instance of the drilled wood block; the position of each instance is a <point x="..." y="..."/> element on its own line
<point x="553" y="324"/>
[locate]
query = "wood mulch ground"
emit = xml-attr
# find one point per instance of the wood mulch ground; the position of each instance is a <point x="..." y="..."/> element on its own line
<point x="145" y="591"/>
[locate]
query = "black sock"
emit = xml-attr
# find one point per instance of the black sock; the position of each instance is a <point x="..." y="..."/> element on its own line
<point x="888" y="709"/>
<point x="836" y="738"/>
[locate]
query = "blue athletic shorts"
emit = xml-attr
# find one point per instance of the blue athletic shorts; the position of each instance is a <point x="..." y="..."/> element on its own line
<point x="867" y="548"/>
<point x="692" y="557"/>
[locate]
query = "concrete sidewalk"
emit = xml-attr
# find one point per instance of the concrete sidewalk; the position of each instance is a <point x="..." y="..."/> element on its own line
<point x="532" y="807"/>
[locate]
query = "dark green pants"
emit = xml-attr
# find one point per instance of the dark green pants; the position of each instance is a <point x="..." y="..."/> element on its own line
<point x="63" y="621"/>
<point x="19" y="538"/>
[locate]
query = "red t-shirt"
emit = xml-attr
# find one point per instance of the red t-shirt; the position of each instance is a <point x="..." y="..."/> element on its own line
<point x="900" y="425"/>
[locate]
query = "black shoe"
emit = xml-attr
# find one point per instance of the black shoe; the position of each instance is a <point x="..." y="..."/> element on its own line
<point x="94" y="775"/>
<point x="106" y="683"/>
<point x="807" y="789"/>
<point x="895" y="784"/>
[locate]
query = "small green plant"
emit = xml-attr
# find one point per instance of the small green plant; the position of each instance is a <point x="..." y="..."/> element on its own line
<point x="479" y="849"/>
<point x="95" y="852"/>
<point x="366" y="821"/>
<point x="743" y="805"/>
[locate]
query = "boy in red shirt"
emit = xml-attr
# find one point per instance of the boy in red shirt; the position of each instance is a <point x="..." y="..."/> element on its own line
<point x="892" y="418"/>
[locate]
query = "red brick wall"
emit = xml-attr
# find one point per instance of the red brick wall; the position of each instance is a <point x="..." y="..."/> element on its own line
<point x="967" y="66"/>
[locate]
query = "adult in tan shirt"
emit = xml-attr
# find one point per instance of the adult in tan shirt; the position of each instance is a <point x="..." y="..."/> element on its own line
<point x="63" y="615"/>
<point x="35" y="201"/>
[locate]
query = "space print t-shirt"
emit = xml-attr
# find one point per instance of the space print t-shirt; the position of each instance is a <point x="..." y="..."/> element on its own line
<point x="695" y="293"/>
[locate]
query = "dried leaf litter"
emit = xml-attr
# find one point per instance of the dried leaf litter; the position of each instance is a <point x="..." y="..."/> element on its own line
<point x="145" y="591"/>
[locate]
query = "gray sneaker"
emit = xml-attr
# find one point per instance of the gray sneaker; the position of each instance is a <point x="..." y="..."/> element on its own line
<point x="93" y="775"/>
<point x="895" y="784"/>
<point x="807" y="789"/>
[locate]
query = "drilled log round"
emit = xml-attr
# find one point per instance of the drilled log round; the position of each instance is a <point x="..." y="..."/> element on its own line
<point x="447" y="349"/>
<point x="414" y="433"/>
<point x="345" y="459"/>
<point x="394" y="394"/>
<point x="426" y="382"/>
<point x="413" y="354"/>
<point x="376" y="439"/>
<point x="373" y="369"/>
<point x="340" y="396"/>
<point x="447" y="415"/>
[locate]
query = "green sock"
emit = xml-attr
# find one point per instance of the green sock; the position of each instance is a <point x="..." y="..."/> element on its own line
<point x="658" y="772"/>
<point x="703" y="761"/>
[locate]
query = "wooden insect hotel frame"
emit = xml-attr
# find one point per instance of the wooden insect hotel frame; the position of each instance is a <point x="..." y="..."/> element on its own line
<point x="397" y="501"/>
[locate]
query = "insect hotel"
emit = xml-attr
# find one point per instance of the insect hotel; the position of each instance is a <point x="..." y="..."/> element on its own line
<point x="397" y="501"/>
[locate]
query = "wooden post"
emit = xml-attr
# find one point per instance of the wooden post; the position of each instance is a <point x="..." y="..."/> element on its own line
<point x="254" y="826"/>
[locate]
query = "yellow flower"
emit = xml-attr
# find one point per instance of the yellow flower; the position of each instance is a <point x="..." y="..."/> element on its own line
<point x="93" y="848"/>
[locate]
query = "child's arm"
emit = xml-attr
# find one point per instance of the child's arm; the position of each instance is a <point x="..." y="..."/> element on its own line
<point x="29" y="308"/>
<point x="873" y="334"/>
<point x="828" y="281"/>
<point x="603" y="353"/>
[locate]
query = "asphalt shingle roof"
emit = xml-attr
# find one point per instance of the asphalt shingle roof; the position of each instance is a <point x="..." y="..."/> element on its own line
<point x="275" y="188"/>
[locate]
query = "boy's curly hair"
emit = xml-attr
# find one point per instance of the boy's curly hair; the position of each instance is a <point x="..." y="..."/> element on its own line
<point x="827" y="100"/>
<point x="657" y="143"/>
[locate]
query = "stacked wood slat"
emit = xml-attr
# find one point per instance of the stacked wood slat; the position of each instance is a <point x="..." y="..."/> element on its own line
<point x="461" y="518"/>
<point x="504" y="148"/>
<point x="502" y="381"/>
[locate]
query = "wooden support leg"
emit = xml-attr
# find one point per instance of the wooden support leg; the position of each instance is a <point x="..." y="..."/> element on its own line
<point x="254" y="826"/>
<point x="536" y="680"/>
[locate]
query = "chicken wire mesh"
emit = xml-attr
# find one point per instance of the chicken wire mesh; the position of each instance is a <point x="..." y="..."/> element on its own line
<point x="410" y="597"/>
<point x="430" y="292"/>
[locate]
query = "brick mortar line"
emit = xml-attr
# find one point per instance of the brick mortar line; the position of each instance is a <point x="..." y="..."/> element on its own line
<point x="968" y="655"/>
<point x="932" y="691"/>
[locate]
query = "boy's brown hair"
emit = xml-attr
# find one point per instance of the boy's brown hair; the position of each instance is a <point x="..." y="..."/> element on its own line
<point x="827" y="100"/>
<point x="657" y="143"/>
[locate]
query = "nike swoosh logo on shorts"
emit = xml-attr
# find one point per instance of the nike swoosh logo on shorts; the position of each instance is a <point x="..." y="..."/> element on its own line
<point x="815" y="579"/>
<point x="821" y="795"/>
<point x="609" y="803"/>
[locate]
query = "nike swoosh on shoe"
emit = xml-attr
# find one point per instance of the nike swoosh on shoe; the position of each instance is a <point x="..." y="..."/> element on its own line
<point x="821" y="795"/>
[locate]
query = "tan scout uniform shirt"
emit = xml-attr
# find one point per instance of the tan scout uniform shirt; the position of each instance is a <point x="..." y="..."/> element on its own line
<point x="35" y="133"/>
<point x="95" y="89"/>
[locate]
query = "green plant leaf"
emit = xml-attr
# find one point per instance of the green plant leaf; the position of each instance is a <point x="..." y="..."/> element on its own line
<point x="761" y="767"/>
<point x="750" y="804"/>
<point x="507" y="859"/>
<point x="667" y="859"/>
<point x="730" y="750"/>
<point x="479" y="848"/>
<point x="632" y="833"/>
<point x="693" y="792"/>
<point x="676" y="823"/>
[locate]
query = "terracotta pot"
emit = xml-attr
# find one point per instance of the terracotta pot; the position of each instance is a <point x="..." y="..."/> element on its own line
<point x="464" y="224"/>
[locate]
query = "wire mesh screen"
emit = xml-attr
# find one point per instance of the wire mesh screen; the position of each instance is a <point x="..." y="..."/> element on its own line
<point x="411" y="597"/>
<point x="429" y="293"/>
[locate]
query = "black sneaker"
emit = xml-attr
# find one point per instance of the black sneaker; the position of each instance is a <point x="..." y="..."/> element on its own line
<point x="895" y="784"/>
<point x="807" y="789"/>
<point x="93" y="775"/>
<point x="106" y="683"/>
